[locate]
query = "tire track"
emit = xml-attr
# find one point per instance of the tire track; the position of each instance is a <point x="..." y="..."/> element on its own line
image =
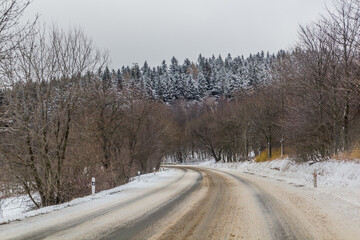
<point x="146" y="226"/>
<point x="81" y="220"/>
<point x="211" y="217"/>
<point x="280" y="225"/>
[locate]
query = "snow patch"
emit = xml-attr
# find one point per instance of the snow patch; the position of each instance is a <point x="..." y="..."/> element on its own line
<point x="17" y="208"/>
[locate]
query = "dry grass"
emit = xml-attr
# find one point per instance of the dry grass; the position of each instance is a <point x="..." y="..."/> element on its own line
<point x="353" y="154"/>
<point x="263" y="157"/>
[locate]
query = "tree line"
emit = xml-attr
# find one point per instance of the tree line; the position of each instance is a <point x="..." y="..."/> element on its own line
<point x="193" y="81"/>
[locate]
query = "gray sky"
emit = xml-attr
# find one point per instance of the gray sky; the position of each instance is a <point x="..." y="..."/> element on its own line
<point x="138" y="30"/>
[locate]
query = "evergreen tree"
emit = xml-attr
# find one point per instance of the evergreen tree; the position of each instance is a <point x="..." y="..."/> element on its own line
<point x="191" y="89"/>
<point x="186" y="66"/>
<point x="201" y="63"/>
<point x="119" y="79"/>
<point x="202" y="85"/>
<point x="207" y="72"/>
<point x="106" y="79"/>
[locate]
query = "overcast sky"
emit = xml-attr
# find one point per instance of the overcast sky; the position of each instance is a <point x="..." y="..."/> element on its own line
<point x="138" y="30"/>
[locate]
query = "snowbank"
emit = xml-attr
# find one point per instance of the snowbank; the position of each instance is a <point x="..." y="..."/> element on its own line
<point x="338" y="178"/>
<point x="332" y="173"/>
<point x="12" y="209"/>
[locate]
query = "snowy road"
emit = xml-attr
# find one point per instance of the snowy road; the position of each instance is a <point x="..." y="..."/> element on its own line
<point x="200" y="203"/>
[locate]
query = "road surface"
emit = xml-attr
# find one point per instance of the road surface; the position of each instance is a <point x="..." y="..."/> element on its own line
<point x="200" y="203"/>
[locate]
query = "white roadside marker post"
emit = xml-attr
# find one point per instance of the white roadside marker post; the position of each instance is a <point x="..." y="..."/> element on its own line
<point x="154" y="171"/>
<point x="315" y="179"/>
<point x="1" y="211"/>
<point x="93" y="186"/>
<point x="139" y="175"/>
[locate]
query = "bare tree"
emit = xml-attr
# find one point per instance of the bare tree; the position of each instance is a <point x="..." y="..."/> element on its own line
<point x="344" y="29"/>
<point x="13" y="30"/>
<point x="46" y="82"/>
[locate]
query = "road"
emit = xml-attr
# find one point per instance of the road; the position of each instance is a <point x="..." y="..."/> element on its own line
<point x="200" y="203"/>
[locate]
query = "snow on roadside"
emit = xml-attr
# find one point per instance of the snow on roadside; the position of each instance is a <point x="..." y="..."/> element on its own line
<point x="331" y="173"/>
<point x="339" y="178"/>
<point x="16" y="208"/>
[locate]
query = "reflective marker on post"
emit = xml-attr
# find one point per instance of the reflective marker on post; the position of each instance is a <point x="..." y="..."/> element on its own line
<point x="139" y="175"/>
<point x="154" y="171"/>
<point x="93" y="186"/>
<point x="315" y="179"/>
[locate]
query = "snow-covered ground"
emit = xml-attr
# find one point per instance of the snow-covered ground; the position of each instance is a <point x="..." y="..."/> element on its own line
<point x="339" y="178"/>
<point x="17" y="208"/>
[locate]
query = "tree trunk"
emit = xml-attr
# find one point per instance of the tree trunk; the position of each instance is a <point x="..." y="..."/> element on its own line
<point x="216" y="157"/>
<point x="346" y="122"/>
<point x="269" y="149"/>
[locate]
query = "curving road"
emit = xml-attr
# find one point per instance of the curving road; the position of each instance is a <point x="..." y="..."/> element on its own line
<point x="200" y="203"/>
